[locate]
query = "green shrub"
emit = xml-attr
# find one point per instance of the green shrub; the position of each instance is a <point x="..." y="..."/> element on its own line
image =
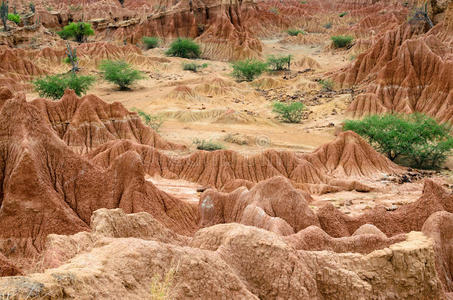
<point x="341" y="41"/>
<point x="150" y="42"/>
<point x="278" y="63"/>
<point x="153" y="121"/>
<point x="79" y="31"/>
<point x="274" y="10"/>
<point x="248" y="69"/>
<point x="290" y="113"/>
<point x="54" y="86"/>
<point x="326" y="84"/>
<point x="120" y="73"/>
<point x="208" y="145"/>
<point x="185" y="48"/>
<point x="327" y="25"/>
<point x="417" y="139"/>
<point x="193" y="67"/>
<point x="343" y="14"/>
<point x="14" y="18"/>
<point x="295" y="32"/>
<point x="162" y="286"/>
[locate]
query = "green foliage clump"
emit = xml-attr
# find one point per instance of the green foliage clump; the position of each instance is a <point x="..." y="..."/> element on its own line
<point x="79" y="31"/>
<point x="185" y="48"/>
<point x="274" y="10"/>
<point x="248" y="69"/>
<point x="420" y="141"/>
<point x="54" y="86"/>
<point x="162" y="286"/>
<point x="295" y="32"/>
<point x="14" y="18"/>
<point x="290" y="113"/>
<point x="120" y="73"/>
<point x="153" y="121"/>
<point x="193" y="66"/>
<point x="278" y="63"/>
<point x="326" y="84"/>
<point x="208" y="145"/>
<point x="343" y="14"/>
<point x="327" y="25"/>
<point x="150" y="42"/>
<point x="32" y="7"/>
<point x="341" y="41"/>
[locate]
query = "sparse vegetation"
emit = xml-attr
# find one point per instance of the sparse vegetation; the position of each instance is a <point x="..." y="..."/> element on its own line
<point x="193" y="66"/>
<point x="420" y="14"/>
<point x="343" y="14"/>
<point x="278" y="63"/>
<point x="53" y="86"/>
<point x="32" y="7"/>
<point x="161" y="286"/>
<point x="341" y="41"/>
<point x="326" y="84"/>
<point x="120" y="73"/>
<point x="71" y="58"/>
<point x="274" y="10"/>
<point x="150" y="42"/>
<point x="185" y="48"/>
<point x="208" y="145"/>
<point x="290" y="113"/>
<point x="153" y="121"/>
<point x="14" y="18"/>
<point x="295" y="32"/>
<point x="416" y="139"/>
<point x="248" y="69"/>
<point x="121" y="2"/>
<point x="327" y="25"/>
<point x="79" y="31"/>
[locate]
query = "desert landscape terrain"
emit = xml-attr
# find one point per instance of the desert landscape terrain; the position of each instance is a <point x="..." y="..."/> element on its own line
<point x="188" y="183"/>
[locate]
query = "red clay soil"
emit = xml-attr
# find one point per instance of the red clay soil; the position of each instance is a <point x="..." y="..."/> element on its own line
<point x="48" y="188"/>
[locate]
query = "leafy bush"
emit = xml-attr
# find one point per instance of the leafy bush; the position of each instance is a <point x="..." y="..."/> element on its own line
<point x="161" y="286"/>
<point x="341" y="41"/>
<point x="185" y="48"/>
<point x="248" y="69"/>
<point x="327" y="25"/>
<point x="416" y="138"/>
<point x="208" y="145"/>
<point x="14" y="18"/>
<point x="193" y="66"/>
<point x="54" y="86"/>
<point x="274" y="10"/>
<point x="343" y="14"/>
<point x="79" y="31"/>
<point x="278" y="63"/>
<point x="153" y="121"/>
<point x="150" y="42"/>
<point x="290" y="113"/>
<point x="326" y="84"/>
<point x="120" y="73"/>
<point x="295" y="32"/>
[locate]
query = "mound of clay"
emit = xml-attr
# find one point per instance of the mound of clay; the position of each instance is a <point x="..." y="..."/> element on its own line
<point x="48" y="188"/>
<point x="233" y="261"/>
<point x="333" y="167"/>
<point x="307" y="63"/>
<point x="271" y="204"/>
<point x="88" y="122"/>
<point x="409" y="217"/>
<point x="183" y="93"/>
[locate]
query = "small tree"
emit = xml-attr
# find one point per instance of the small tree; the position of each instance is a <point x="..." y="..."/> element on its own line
<point x="193" y="67"/>
<point x="4" y="9"/>
<point x="419" y="139"/>
<point x="185" y="48"/>
<point x="54" y="86"/>
<point x="341" y="41"/>
<point x="79" y="31"/>
<point x="290" y="113"/>
<point x="278" y="63"/>
<point x="14" y="18"/>
<point x="32" y="7"/>
<point x="120" y="73"/>
<point x="248" y="69"/>
<point x="421" y="14"/>
<point x="71" y="58"/>
<point x="326" y="84"/>
<point x="150" y="42"/>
